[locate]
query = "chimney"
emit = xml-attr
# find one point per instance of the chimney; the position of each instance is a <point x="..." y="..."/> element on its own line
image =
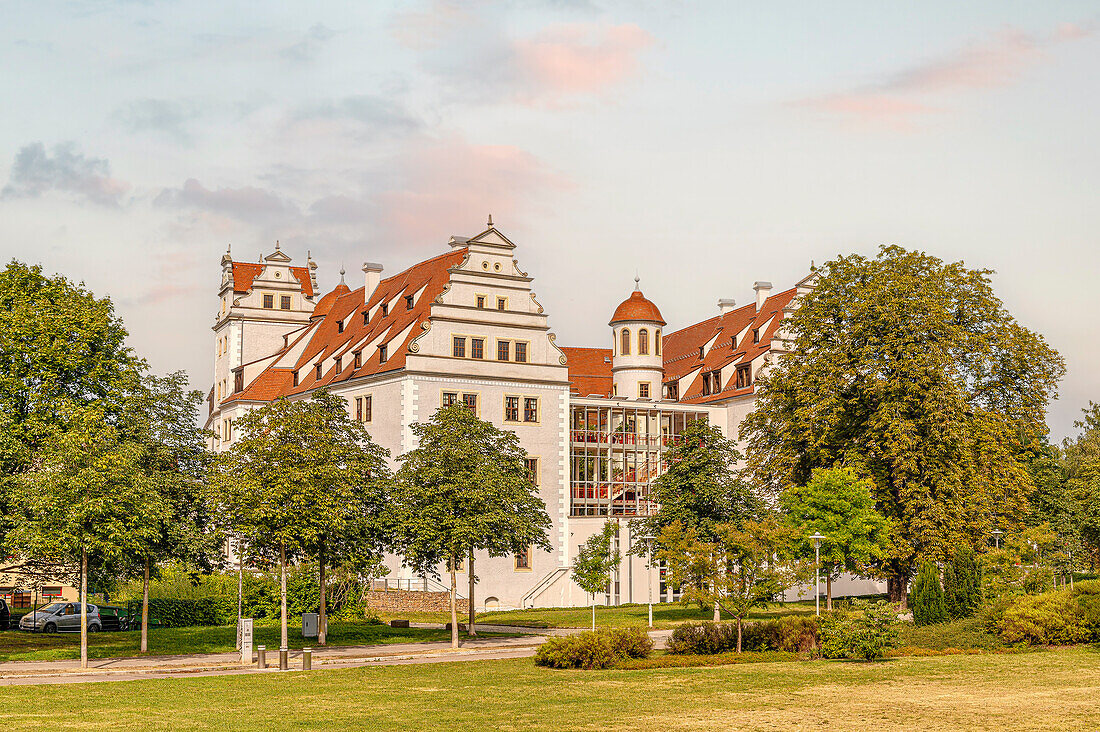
<point x="763" y="289"/>
<point x="373" y="275"/>
<point x="726" y="305"/>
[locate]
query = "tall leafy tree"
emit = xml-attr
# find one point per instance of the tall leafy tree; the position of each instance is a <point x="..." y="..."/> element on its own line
<point x="594" y="563"/>
<point x="1072" y="505"/>
<point x="303" y="478"/>
<point x="464" y="488"/>
<point x="837" y="504"/>
<point x="911" y="371"/>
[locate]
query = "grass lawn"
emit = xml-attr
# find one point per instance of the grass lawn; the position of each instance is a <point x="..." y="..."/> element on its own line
<point x="19" y="646"/>
<point x="666" y="615"/>
<point x="1035" y="691"/>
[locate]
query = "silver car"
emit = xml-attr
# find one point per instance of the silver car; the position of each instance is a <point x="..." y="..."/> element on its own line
<point x="61" y="617"/>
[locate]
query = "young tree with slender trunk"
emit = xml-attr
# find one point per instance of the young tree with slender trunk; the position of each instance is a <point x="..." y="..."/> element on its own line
<point x="911" y="371"/>
<point x="304" y="478"/>
<point x="594" y="563"/>
<point x="464" y="488"/>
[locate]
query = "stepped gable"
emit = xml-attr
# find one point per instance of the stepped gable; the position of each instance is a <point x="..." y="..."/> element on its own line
<point x="245" y="272"/>
<point x="324" y="338"/>
<point x="589" y="371"/>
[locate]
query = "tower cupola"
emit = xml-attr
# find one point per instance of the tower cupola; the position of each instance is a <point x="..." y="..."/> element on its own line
<point x="637" y="366"/>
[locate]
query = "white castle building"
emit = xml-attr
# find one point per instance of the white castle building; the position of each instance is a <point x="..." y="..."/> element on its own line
<point x="465" y="326"/>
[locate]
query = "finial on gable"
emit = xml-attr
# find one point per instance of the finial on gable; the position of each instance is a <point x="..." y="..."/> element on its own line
<point x="276" y="245"/>
<point x="489" y="224"/>
<point x="637" y="282"/>
<point x="342" y="275"/>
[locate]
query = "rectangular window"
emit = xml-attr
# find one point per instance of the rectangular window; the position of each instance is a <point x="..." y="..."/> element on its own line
<point x="319" y="374"/>
<point x="532" y="465"/>
<point x="51" y="592"/>
<point x="477" y="348"/>
<point x="643" y="390"/>
<point x="368" y="408"/>
<point x="511" y="409"/>
<point x="269" y="301"/>
<point x="358" y="409"/>
<point x="460" y="565"/>
<point x="385" y="309"/>
<point x="470" y="400"/>
<point x="503" y="350"/>
<point x="408" y="302"/>
<point x="755" y="335"/>
<point x="382" y="353"/>
<point x="502" y="303"/>
<point x="339" y="326"/>
<point x="744" y="376"/>
<point x="521" y="352"/>
<point x="295" y="378"/>
<point x="448" y="398"/>
<point x="366" y="317"/>
<point x="284" y="302"/>
<point x="530" y="409"/>
<point x="338" y="360"/>
<point x="523" y="560"/>
<point x="358" y="359"/>
<point x="238" y="381"/>
<point x="672" y="391"/>
<point x="459" y="349"/>
<point x="481" y="301"/>
<point x="21" y="600"/>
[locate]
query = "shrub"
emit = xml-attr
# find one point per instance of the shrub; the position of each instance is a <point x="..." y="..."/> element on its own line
<point x="703" y="638"/>
<point x="793" y="634"/>
<point x="181" y="613"/>
<point x="962" y="585"/>
<point x="589" y="650"/>
<point x="928" y="605"/>
<point x="1053" y="618"/>
<point x="863" y="633"/>
<point x="630" y="643"/>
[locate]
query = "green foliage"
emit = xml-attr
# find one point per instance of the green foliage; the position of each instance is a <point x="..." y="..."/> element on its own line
<point x="837" y="503"/>
<point x="927" y="597"/>
<point x="789" y="634"/>
<point x="1019" y="566"/>
<point x="701" y="488"/>
<point x="912" y="372"/>
<point x="595" y="561"/>
<point x="1061" y="617"/>
<point x="962" y="585"/>
<point x="182" y="613"/>
<point x="863" y="632"/>
<point x="966" y="634"/>
<point x="594" y="649"/>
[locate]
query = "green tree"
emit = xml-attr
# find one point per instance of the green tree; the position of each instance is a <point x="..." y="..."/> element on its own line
<point x="837" y="503"/>
<point x="464" y="488"/>
<point x="928" y="602"/>
<point x="962" y="587"/>
<point x="912" y="372"/>
<point x="87" y="494"/>
<point x="594" y="563"/>
<point x="302" y="476"/>
<point x="746" y="566"/>
<point x="1073" y="508"/>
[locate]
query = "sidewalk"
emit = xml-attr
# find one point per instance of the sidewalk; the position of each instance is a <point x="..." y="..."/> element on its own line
<point x="216" y="664"/>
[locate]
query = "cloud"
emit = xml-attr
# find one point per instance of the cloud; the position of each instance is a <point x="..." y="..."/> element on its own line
<point x="156" y="115"/>
<point x="248" y="203"/>
<point x="364" y="115"/>
<point x="311" y="44"/>
<point x="895" y="100"/>
<point x="550" y="67"/>
<point x="35" y="172"/>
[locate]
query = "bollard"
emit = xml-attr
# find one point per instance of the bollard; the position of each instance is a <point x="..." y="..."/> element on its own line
<point x="283" y="653"/>
<point x="261" y="657"/>
<point x="307" y="659"/>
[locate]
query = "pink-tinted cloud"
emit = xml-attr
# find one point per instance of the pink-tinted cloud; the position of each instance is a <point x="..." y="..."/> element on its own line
<point x="898" y="99"/>
<point x="579" y="58"/>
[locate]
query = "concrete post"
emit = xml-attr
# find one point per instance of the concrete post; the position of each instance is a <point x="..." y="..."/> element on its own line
<point x="261" y="657"/>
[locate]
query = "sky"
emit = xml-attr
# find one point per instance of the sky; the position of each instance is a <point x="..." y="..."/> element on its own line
<point x="698" y="145"/>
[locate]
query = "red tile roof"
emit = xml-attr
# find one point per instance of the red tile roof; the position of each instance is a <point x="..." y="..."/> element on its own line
<point x="245" y="272"/>
<point x="589" y="371"/>
<point x="325" y="338"/>
<point x="591" y="374"/>
<point x="636" y="307"/>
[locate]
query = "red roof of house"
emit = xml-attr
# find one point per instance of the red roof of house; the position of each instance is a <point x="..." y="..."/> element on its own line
<point x="636" y="307"/>
<point x="340" y="331"/>
<point x="590" y="368"/>
<point x="245" y="272"/>
<point x="589" y="371"/>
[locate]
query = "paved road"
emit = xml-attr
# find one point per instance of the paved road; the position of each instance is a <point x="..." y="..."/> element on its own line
<point x="20" y="673"/>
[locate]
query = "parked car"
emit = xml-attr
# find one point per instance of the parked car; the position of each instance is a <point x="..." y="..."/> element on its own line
<point x="5" y="615"/>
<point x="114" y="618"/>
<point x="61" y="617"/>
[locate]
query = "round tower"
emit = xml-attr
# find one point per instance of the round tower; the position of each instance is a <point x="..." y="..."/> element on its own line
<point x="637" y="367"/>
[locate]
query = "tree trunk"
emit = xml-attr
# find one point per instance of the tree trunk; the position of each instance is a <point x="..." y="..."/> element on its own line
<point x="454" y="605"/>
<point x="593" y="611"/>
<point x="471" y="629"/>
<point x="829" y="591"/>
<point x="282" y="595"/>
<point x="322" y="617"/>
<point x="896" y="591"/>
<point x="83" y="608"/>
<point x="717" y="607"/>
<point x="738" y="635"/>
<point x="145" y="610"/>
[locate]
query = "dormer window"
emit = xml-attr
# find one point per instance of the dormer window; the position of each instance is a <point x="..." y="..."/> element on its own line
<point x="385" y="309"/>
<point x="408" y="302"/>
<point x="319" y="373"/>
<point x="295" y="378"/>
<point x="366" y="317"/>
<point x="672" y="391"/>
<point x="339" y="326"/>
<point x="338" y="359"/>
<point x="755" y="335"/>
<point x="358" y="359"/>
<point x="701" y="353"/>
<point x="744" y="376"/>
<point x="382" y="353"/>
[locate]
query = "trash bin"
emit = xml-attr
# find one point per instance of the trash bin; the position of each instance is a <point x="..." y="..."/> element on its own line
<point x="309" y="625"/>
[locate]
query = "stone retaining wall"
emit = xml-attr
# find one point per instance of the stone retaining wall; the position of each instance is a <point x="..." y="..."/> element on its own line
<point x="398" y="601"/>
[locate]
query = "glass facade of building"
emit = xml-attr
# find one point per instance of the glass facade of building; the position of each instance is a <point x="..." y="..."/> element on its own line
<point x="615" y="452"/>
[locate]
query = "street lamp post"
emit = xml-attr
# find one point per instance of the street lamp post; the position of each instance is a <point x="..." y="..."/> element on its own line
<point x="997" y="534"/>
<point x="817" y="537"/>
<point x="649" y="576"/>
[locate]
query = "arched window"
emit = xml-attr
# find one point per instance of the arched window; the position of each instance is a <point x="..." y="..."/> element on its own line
<point x="643" y="342"/>
<point x="624" y="343"/>
<point x="657" y="342"/>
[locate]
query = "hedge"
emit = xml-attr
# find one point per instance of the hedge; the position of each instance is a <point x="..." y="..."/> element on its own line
<point x="594" y="650"/>
<point x="792" y="634"/>
<point x="1062" y="617"/>
<point x="182" y="613"/>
